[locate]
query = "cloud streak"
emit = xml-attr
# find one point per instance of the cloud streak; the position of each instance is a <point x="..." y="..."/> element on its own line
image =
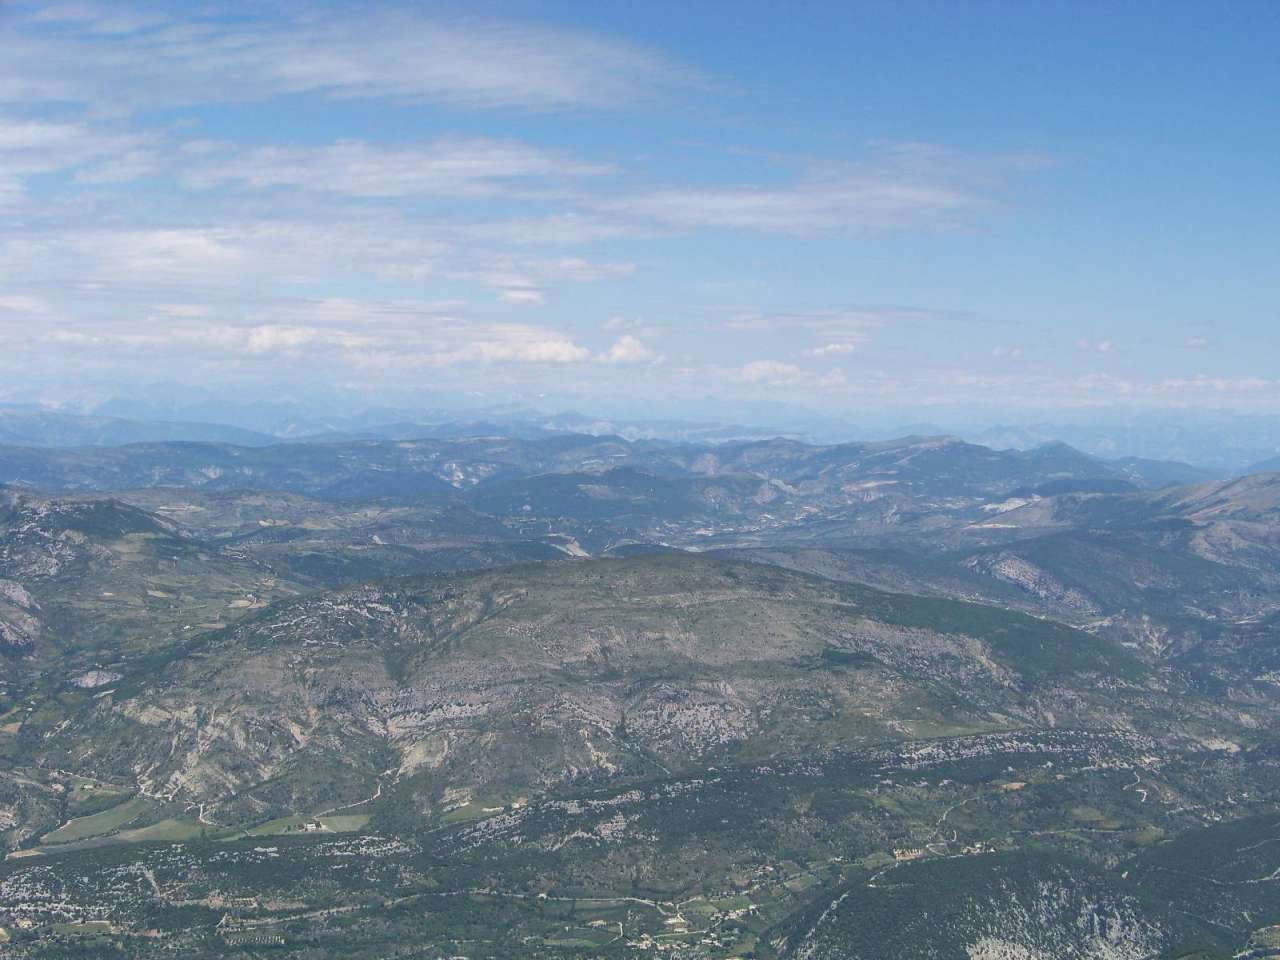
<point x="150" y="58"/>
<point x="470" y="167"/>
<point x="852" y="203"/>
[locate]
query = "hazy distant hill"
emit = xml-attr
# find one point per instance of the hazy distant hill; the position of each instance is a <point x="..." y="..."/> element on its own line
<point x="1219" y="444"/>
<point x="1266" y="466"/>
<point x="23" y="426"/>
<point x="924" y="465"/>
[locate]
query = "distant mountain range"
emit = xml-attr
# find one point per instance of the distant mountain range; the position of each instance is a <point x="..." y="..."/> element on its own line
<point x="1219" y="445"/>
<point x="427" y="467"/>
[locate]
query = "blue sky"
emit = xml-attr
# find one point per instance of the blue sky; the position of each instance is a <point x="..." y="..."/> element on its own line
<point x="916" y="208"/>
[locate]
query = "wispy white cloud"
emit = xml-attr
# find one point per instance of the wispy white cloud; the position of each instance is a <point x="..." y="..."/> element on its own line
<point x="895" y="186"/>
<point x="853" y="203"/>
<point x="529" y="295"/>
<point x="452" y="167"/>
<point x="248" y="257"/>
<point x="21" y="305"/>
<point x="834" y="332"/>
<point x="93" y="153"/>
<point x="1086" y="345"/>
<point x="125" y="57"/>
<point x="520" y="279"/>
<point x="98" y="19"/>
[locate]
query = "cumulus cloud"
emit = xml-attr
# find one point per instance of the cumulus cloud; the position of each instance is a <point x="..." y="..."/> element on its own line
<point x="838" y="349"/>
<point x="627" y="350"/>
<point x="512" y="344"/>
<point x="768" y="371"/>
